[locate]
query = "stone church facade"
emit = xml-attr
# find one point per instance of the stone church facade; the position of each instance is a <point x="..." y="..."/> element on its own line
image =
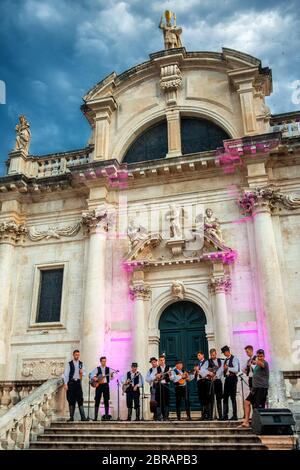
<point x="175" y="229"/>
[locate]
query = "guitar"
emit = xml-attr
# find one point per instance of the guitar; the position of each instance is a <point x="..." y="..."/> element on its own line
<point x="185" y="377"/>
<point x="160" y="376"/>
<point x="99" y="379"/>
<point x="129" y="383"/>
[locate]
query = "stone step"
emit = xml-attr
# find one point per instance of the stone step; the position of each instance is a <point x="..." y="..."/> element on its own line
<point x="150" y="424"/>
<point x="121" y="445"/>
<point x="143" y="429"/>
<point x="154" y="438"/>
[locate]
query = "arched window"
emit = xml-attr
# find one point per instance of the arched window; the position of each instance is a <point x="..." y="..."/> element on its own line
<point x="152" y="144"/>
<point x="200" y="135"/>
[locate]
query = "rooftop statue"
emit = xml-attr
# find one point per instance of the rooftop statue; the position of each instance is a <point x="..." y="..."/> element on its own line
<point x="23" y="135"/>
<point x="171" y="31"/>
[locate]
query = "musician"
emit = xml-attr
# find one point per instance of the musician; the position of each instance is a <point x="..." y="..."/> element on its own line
<point x="73" y="373"/>
<point x="162" y="391"/>
<point x="250" y="364"/>
<point x="134" y="380"/>
<point x="103" y="374"/>
<point x="213" y="372"/>
<point x="231" y="368"/>
<point x="150" y="379"/>
<point x="180" y="378"/>
<point x="201" y="385"/>
<point x="260" y="384"/>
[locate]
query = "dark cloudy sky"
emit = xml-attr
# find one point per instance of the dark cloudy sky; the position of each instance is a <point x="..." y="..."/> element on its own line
<point x="53" y="51"/>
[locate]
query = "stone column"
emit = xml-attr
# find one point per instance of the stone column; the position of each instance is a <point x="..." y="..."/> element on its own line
<point x="174" y="132"/>
<point x="258" y="203"/>
<point x="10" y="233"/>
<point x="140" y="293"/>
<point x="219" y="286"/>
<point x="94" y="313"/>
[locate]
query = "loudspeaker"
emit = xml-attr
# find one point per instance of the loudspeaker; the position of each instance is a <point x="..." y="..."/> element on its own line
<point x="272" y="421"/>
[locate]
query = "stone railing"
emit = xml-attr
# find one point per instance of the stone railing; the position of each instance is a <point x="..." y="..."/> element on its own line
<point x="287" y="123"/>
<point x="11" y="392"/>
<point x="292" y="382"/>
<point x="27" y="419"/>
<point x="47" y="165"/>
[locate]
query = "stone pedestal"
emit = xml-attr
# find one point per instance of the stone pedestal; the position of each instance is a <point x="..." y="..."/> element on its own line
<point x="140" y="293"/>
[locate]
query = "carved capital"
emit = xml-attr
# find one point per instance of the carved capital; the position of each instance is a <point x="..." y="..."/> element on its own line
<point x="11" y="231"/>
<point x="220" y="284"/>
<point x="267" y="198"/>
<point x="95" y="220"/>
<point x="170" y="82"/>
<point x="140" y="291"/>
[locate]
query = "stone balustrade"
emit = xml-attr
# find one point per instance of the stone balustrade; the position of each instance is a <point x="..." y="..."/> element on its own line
<point x="11" y="392"/>
<point x="287" y="123"/>
<point x="292" y="382"/>
<point x="26" y="420"/>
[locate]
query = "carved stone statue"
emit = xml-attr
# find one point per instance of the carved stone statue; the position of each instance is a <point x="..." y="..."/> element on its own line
<point x="173" y="215"/>
<point x="23" y="135"/>
<point x="170" y="30"/>
<point x="212" y="226"/>
<point x="178" y="289"/>
<point x="136" y="232"/>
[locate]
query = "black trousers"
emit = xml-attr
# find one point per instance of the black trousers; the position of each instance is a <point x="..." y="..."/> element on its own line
<point x="230" y="386"/>
<point x="202" y="393"/>
<point x="102" y="389"/>
<point x="74" y="393"/>
<point x="133" y="397"/>
<point x="182" y="394"/>
<point x="162" y="395"/>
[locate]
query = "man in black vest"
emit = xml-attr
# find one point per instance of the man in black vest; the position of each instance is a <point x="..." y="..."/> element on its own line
<point x="248" y="369"/>
<point x="73" y="373"/>
<point x="134" y="382"/>
<point x="180" y="378"/>
<point x="103" y="374"/>
<point x="201" y="385"/>
<point x="150" y="379"/>
<point x="213" y="371"/>
<point x="162" y="391"/>
<point x="231" y="368"/>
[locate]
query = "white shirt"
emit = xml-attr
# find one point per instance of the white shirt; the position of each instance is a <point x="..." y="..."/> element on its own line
<point x="176" y="376"/>
<point x="132" y="376"/>
<point x="219" y="371"/>
<point x="76" y="375"/>
<point x="95" y="372"/>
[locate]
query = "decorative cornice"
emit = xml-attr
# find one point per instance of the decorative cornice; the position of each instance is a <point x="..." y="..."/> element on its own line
<point x="11" y="231"/>
<point x="268" y="198"/>
<point x="220" y="284"/>
<point x="139" y="291"/>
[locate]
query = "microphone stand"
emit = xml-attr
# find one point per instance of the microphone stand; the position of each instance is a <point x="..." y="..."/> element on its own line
<point x="242" y="380"/>
<point x="89" y="396"/>
<point x="118" y="399"/>
<point x="143" y="397"/>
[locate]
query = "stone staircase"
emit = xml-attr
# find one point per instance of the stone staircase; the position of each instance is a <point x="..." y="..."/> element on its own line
<point x="147" y="435"/>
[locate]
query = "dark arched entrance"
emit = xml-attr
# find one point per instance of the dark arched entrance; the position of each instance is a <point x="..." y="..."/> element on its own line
<point x="182" y="335"/>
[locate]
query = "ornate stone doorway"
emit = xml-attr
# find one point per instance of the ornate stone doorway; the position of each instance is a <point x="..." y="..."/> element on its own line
<point x="182" y="335"/>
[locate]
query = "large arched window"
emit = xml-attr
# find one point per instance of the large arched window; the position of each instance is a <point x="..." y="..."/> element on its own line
<point x="150" y="145"/>
<point x="197" y="135"/>
<point x="200" y="135"/>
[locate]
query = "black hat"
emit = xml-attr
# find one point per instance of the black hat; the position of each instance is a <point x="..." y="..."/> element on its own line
<point x="134" y="364"/>
<point x="224" y="349"/>
<point x="152" y="359"/>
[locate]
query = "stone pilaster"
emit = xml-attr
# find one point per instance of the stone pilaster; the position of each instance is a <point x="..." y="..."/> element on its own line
<point x="174" y="132"/>
<point x="219" y="286"/>
<point x="243" y="81"/>
<point x="102" y="110"/>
